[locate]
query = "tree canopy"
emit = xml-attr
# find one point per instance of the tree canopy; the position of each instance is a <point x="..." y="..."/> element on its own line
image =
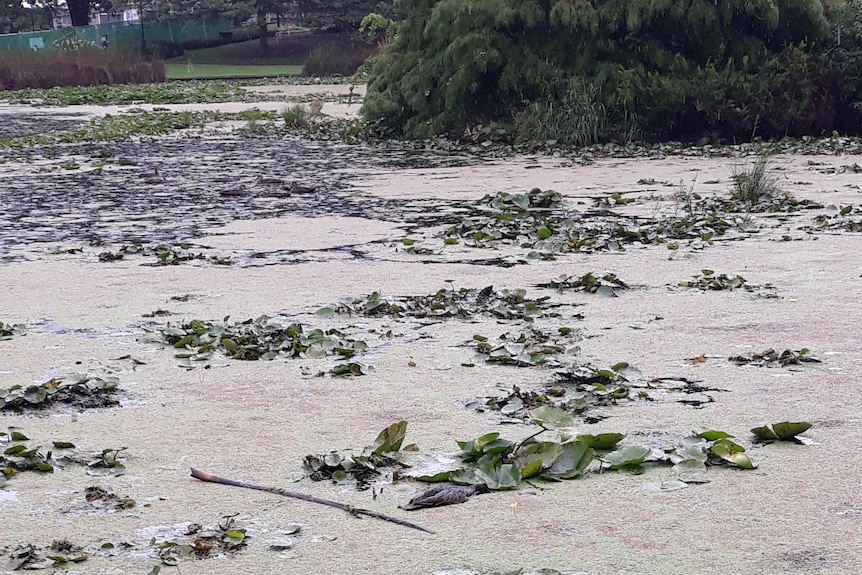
<point x="608" y="69"/>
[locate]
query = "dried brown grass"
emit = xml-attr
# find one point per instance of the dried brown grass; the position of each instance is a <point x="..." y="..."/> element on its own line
<point x="82" y="67"/>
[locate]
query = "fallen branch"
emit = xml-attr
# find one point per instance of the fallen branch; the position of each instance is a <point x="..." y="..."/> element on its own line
<point x="204" y="476"/>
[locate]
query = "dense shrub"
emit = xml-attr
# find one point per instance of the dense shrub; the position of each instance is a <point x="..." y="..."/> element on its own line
<point x="578" y="71"/>
<point x="82" y="67"/>
<point x="846" y="19"/>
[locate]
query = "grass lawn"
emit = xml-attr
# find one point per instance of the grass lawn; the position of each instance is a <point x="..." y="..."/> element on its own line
<point x="177" y="70"/>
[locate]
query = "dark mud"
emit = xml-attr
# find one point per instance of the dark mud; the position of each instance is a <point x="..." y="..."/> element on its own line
<point x="20" y="125"/>
<point x="177" y="188"/>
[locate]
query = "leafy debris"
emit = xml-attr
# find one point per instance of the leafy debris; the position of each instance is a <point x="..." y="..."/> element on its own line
<point x="502" y="464"/>
<point x="782" y="431"/>
<point x="255" y="339"/>
<point x="771" y="358"/>
<point x="19" y="457"/>
<point x="363" y="468"/>
<point x="7" y="330"/>
<point x="445" y="303"/>
<point x="839" y="221"/>
<point x="203" y="542"/>
<point x="580" y="390"/>
<point x="59" y="554"/>
<point x="78" y="390"/>
<point x="707" y="280"/>
<point x="607" y="285"/>
<point x="165" y="255"/>
<point x="535" y="199"/>
<point x="104" y="498"/>
<point x="525" y="348"/>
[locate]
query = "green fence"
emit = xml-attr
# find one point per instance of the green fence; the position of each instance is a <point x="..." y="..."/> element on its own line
<point x="121" y="35"/>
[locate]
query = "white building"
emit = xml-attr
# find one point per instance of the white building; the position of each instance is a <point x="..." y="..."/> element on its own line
<point x="62" y="19"/>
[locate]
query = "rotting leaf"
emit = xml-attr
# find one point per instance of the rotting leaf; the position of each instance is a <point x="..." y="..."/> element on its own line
<point x="390" y="439"/>
<point x="8" y="330"/>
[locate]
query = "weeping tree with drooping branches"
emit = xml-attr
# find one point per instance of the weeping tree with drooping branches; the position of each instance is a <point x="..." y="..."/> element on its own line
<point x="585" y="70"/>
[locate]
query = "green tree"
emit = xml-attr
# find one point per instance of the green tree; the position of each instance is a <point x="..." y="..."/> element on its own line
<point x="846" y="19"/>
<point x="11" y="15"/>
<point x="344" y="15"/>
<point x="17" y="16"/>
<point x="659" y="67"/>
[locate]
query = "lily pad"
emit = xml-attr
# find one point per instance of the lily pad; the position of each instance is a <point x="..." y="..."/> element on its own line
<point x="783" y="431"/>
<point x="499" y="477"/>
<point x="627" y="457"/>
<point x="551" y="417"/>
<point x="603" y="441"/>
<point x="535" y="457"/>
<point x="573" y="460"/>
<point x="732" y="453"/>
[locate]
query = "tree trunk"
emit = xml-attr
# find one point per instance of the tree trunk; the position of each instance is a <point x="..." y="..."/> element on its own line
<point x="79" y="11"/>
<point x="262" y="28"/>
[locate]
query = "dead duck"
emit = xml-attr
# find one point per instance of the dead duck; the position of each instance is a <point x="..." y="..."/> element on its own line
<point x="440" y="495"/>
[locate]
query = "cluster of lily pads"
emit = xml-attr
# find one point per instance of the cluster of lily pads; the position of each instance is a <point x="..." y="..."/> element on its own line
<point x="772" y="358"/>
<point x="261" y="339"/>
<point x="364" y="467"/>
<point x="561" y="454"/>
<point x="555" y="231"/>
<point x="707" y="280"/>
<point x="185" y="92"/>
<point x="575" y="391"/>
<point x="165" y="255"/>
<point x="202" y="542"/>
<point x="81" y="390"/>
<point x="528" y="346"/>
<point x="61" y="553"/>
<point x="607" y="285"/>
<point x="839" y="221"/>
<point x="445" y="303"/>
<point x="18" y="457"/>
<point x="535" y="221"/>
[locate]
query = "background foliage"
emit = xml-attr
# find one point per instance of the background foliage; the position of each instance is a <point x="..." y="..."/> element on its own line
<point x="579" y="71"/>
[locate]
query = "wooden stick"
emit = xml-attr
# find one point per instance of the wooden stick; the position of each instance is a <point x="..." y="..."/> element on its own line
<point x="355" y="511"/>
